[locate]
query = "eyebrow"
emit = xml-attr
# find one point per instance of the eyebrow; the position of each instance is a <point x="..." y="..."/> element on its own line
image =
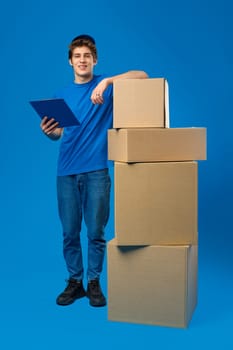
<point x="85" y="53"/>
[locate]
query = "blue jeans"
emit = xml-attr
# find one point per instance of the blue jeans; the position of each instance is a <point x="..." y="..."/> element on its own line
<point x="85" y="196"/>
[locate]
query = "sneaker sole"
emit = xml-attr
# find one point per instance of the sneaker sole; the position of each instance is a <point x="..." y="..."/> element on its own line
<point x="96" y="304"/>
<point x="71" y="301"/>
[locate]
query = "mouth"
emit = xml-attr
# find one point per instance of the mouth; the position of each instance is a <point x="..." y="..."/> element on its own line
<point x="82" y="67"/>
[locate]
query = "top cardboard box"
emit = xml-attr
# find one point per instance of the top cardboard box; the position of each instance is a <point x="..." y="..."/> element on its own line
<point x="140" y="103"/>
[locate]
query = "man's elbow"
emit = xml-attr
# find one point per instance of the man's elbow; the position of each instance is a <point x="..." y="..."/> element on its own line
<point x="142" y="74"/>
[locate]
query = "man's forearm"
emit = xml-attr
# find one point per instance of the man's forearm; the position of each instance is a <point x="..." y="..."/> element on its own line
<point x="97" y="93"/>
<point x="132" y="74"/>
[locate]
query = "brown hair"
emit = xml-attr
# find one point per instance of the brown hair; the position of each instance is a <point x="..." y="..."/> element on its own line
<point x="79" y="42"/>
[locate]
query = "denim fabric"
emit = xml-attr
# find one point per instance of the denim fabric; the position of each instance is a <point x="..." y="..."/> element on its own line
<point x="84" y="196"/>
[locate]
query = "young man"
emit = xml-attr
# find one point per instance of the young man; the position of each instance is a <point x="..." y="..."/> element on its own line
<point x="83" y="182"/>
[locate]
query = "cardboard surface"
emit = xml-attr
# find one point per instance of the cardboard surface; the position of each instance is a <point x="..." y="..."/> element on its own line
<point x="152" y="284"/>
<point x="140" y="103"/>
<point x="156" y="144"/>
<point x="156" y="203"/>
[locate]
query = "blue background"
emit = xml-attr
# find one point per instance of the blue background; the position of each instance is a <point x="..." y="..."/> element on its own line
<point x="189" y="43"/>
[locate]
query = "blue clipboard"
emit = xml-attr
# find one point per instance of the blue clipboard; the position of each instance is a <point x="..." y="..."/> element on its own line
<point x="55" y="108"/>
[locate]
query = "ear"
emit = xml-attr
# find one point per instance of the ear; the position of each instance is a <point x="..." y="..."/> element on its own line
<point x="70" y="62"/>
<point x="95" y="62"/>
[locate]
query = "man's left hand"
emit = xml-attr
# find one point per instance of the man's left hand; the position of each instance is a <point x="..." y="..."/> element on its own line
<point x="97" y="93"/>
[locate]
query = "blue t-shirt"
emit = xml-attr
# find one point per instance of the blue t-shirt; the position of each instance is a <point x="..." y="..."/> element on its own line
<point x="84" y="148"/>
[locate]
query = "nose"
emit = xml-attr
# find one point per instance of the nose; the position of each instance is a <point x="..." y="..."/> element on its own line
<point x="82" y="58"/>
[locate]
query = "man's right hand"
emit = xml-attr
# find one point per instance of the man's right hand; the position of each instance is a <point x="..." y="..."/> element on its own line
<point x="51" y="128"/>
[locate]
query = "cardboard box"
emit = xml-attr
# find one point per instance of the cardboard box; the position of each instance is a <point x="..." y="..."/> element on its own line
<point x="140" y="103"/>
<point x="156" y="203"/>
<point x="156" y="144"/>
<point x="154" y="285"/>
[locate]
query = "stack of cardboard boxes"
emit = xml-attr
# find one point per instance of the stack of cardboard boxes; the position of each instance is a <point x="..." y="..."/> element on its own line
<point x="152" y="261"/>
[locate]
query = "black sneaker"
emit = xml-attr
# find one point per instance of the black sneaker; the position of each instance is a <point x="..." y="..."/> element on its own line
<point x="94" y="293"/>
<point x="73" y="291"/>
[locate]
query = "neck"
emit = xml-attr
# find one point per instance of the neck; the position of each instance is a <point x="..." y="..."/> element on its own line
<point x="83" y="78"/>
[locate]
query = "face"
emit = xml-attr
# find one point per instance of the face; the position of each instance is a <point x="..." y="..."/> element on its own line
<point x="83" y="64"/>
